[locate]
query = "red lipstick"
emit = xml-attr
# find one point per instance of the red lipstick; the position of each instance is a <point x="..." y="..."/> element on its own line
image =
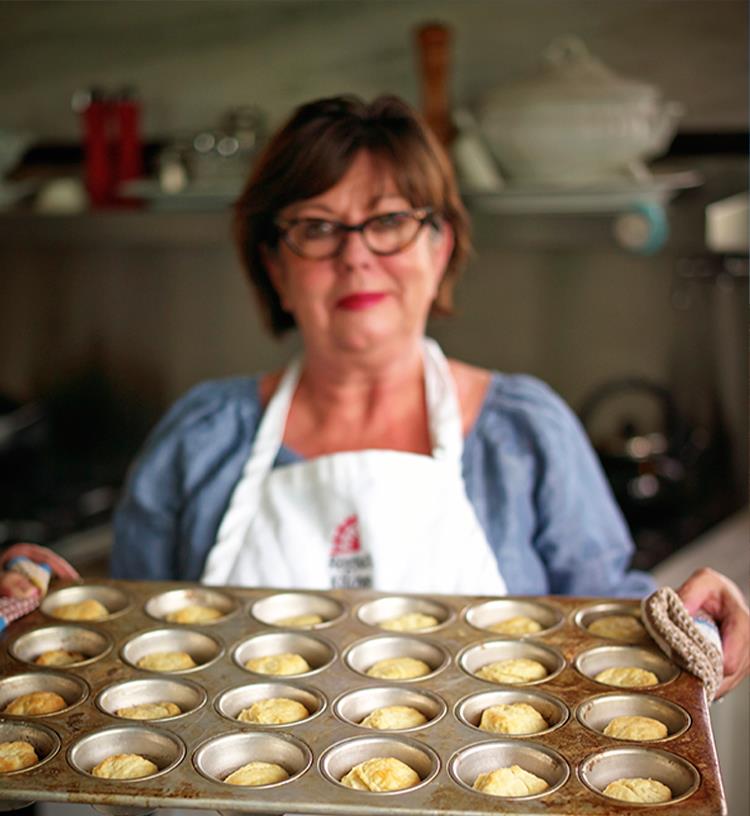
<point x="360" y="300"/>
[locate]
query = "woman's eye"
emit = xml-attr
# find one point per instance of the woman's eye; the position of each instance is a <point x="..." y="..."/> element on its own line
<point x="313" y="230"/>
<point x="390" y="221"/>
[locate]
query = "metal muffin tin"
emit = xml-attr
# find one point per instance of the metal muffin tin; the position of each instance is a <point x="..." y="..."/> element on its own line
<point x="196" y="749"/>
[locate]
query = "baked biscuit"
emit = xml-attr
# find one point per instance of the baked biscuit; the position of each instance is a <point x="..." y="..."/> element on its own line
<point x="58" y="657"/>
<point x="17" y="755"/>
<point x="513" y="670"/>
<point x="90" y="610"/>
<point x="381" y="774"/>
<point x="517" y="625"/>
<point x="513" y="781"/>
<point x="389" y="718"/>
<point x="636" y="728"/>
<point x="618" y="627"/>
<point x="398" y="668"/>
<point x="149" y="711"/>
<point x="512" y="718"/>
<point x="300" y="621"/>
<point x="166" y="661"/>
<point x="124" y="766"/>
<point x="409" y="622"/>
<point x="284" y="663"/>
<point x="194" y="613"/>
<point x="637" y="789"/>
<point x="627" y="677"/>
<point x="274" y="711"/>
<point x="257" y="773"/>
<point x="36" y="703"/>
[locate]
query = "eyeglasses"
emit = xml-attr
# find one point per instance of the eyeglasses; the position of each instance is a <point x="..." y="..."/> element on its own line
<point x="384" y="234"/>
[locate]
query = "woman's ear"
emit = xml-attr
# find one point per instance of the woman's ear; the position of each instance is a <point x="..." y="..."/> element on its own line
<point x="444" y="240"/>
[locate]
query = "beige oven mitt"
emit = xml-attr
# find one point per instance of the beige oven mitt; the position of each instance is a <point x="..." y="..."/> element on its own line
<point x="692" y="643"/>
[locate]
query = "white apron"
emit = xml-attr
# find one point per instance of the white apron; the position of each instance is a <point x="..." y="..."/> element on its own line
<point x="390" y="520"/>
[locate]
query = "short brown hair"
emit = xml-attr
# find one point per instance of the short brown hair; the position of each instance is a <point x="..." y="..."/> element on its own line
<point x="314" y="150"/>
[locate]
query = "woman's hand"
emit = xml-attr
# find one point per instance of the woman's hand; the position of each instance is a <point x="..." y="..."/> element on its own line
<point x="722" y="599"/>
<point x="15" y="585"/>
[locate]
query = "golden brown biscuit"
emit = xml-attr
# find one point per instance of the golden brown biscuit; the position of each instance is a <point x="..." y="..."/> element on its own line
<point x="36" y="703"/>
<point x="166" y="661"/>
<point x="124" y="766"/>
<point x="274" y="711"/>
<point x="17" y="755"/>
<point x="300" y="621"/>
<point x="513" y="670"/>
<point x="398" y="668"/>
<point x="284" y="663"/>
<point x="409" y="622"/>
<point x="513" y="781"/>
<point x="512" y="718"/>
<point x="257" y="773"/>
<point x="636" y="728"/>
<point x="149" y="711"/>
<point x="58" y="657"/>
<point x="381" y="774"/>
<point x="517" y="625"/>
<point x="637" y="789"/>
<point x="90" y="610"/>
<point x="194" y="613"/>
<point x="618" y="627"/>
<point x="392" y="717"/>
<point x="627" y="677"/>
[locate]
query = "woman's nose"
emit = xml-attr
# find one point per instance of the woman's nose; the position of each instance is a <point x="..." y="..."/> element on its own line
<point x="354" y="251"/>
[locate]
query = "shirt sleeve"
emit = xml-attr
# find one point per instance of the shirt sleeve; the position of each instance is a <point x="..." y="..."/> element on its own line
<point x="581" y="535"/>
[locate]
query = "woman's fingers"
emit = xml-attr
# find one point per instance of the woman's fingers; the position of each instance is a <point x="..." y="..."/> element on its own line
<point x="15" y="585"/>
<point x="41" y="555"/>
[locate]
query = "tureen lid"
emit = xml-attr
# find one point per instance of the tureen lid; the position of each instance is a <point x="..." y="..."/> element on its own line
<point x="569" y="73"/>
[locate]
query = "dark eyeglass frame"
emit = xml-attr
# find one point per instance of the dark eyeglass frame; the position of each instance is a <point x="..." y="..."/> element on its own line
<point x="423" y="215"/>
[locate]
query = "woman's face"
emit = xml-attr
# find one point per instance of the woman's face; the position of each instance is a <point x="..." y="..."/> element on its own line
<point x="357" y="300"/>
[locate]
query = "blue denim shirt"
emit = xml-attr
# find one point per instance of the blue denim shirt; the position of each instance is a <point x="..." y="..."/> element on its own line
<point x="530" y="474"/>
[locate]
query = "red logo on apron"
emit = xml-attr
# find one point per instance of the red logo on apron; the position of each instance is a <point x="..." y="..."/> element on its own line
<point x="349" y="565"/>
<point x="346" y="538"/>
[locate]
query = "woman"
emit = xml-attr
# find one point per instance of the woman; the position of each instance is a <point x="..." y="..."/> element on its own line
<point x="371" y="460"/>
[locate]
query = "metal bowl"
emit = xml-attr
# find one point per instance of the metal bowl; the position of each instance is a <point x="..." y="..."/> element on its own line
<point x="374" y="613"/>
<point x="72" y="689"/>
<point x="485" y="614"/>
<point x="469" y="710"/>
<point x="115" y="600"/>
<point x="220" y="756"/>
<point x="482" y="757"/>
<point x="317" y="652"/>
<point x="341" y="757"/>
<point x="596" y="712"/>
<point x="203" y="649"/>
<point x="161" y="605"/>
<point x="73" y="638"/>
<point x="352" y="707"/>
<point x="231" y="702"/>
<point x="593" y="661"/>
<point x="362" y="655"/>
<point x="188" y="696"/>
<point x="283" y="605"/>
<point x="474" y="657"/>
<point x="598" y="770"/>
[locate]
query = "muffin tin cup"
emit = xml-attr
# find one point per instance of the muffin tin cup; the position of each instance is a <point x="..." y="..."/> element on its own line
<point x="71" y="688"/>
<point x="353" y="706"/>
<point x="593" y="661"/>
<point x="341" y="757"/>
<point x="232" y="701"/>
<point x="203" y="648"/>
<point x="482" y="757"/>
<point x="188" y="696"/>
<point x="469" y="709"/>
<point x="586" y="616"/>
<point x="375" y="613"/>
<point x="220" y="756"/>
<point x="115" y="600"/>
<point x="680" y="776"/>
<point x="474" y="657"/>
<point x="362" y="655"/>
<point x="273" y="609"/>
<point x="596" y="713"/>
<point x="46" y="743"/>
<point x="485" y="614"/>
<point x="91" y="643"/>
<point x="318" y="653"/>
<point x="159" y="606"/>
